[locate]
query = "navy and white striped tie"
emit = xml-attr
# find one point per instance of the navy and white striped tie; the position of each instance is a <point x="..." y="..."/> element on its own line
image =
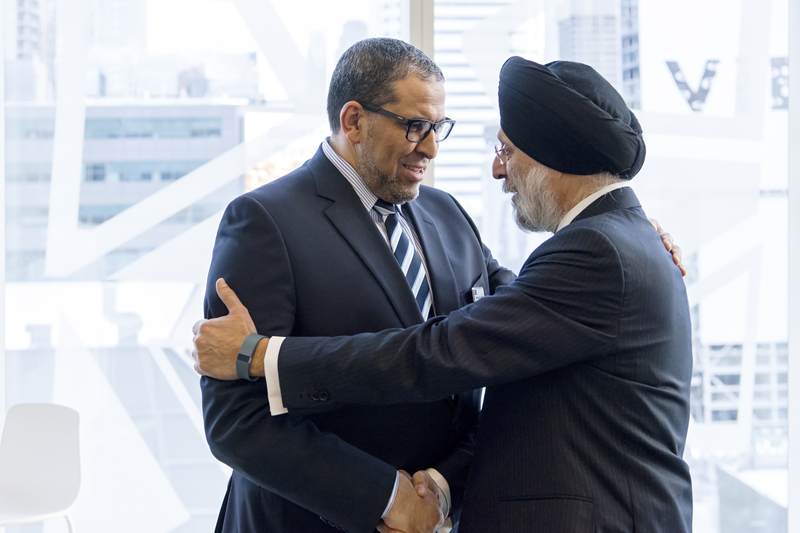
<point x="407" y="256"/>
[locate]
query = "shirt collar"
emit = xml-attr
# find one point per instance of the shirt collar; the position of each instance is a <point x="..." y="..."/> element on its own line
<point x="586" y="202"/>
<point x="366" y="196"/>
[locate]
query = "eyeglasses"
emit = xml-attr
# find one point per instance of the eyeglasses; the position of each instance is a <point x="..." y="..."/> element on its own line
<point x="418" y="128"/>
<point x="502" y="152"/>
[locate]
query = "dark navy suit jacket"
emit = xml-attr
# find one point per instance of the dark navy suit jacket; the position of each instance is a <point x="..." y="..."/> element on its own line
<point x="587" y="362"/>
<point x="306" y="259"/>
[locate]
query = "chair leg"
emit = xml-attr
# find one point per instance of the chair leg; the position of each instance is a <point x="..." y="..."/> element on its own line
<point x="70" y="526"/>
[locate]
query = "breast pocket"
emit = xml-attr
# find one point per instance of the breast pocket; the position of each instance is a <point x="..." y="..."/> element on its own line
<point x="548" y="514"/>
<point x="467" y="297"/>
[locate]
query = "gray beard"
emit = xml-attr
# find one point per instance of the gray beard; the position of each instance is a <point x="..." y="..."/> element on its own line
<point x="536" y="208"/>
<point x="382" y="185"/>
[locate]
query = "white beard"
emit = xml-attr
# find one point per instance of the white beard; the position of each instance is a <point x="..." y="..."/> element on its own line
<point x="535" y="205"/>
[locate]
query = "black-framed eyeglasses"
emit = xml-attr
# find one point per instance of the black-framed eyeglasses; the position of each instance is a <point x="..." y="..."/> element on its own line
<point x="418" y="128"/>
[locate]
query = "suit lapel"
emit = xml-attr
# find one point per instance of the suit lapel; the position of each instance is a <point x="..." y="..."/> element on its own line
<point x="443" y="280"/>
<point x="353" y="222"/>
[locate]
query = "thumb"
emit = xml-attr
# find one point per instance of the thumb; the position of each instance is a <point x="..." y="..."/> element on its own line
<point x="422" y="483"/>
<point x="228" y="297"/>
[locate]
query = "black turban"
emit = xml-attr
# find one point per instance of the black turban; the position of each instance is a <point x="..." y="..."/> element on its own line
<point x="568" y="117"/>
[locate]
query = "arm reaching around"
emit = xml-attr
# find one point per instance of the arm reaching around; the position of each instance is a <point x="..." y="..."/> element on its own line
<point x="217" y="341"/>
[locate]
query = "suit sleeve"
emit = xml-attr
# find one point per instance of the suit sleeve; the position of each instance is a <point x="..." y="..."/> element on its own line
<point x="564" y="308"/>
<point x="285" y="454"/>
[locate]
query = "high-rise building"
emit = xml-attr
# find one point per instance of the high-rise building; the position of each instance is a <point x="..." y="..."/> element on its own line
<point x="29" y="49"/>
<point x="130" y="151"/>
<point x="629" y="37"/>
<point x="588" y="33"/>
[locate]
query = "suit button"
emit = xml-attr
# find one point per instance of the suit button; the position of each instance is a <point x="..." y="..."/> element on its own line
<point x="323" y="396"/>
<point x="315" y="396"/>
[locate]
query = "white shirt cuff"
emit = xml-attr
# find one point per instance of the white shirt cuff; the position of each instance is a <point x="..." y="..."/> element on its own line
<point x="272" y="378"/>
<point x="444" y="490"/>
<point x="393" y="496"/>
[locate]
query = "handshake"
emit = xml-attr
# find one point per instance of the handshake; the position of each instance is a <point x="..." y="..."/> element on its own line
<point x="416" y="507"/>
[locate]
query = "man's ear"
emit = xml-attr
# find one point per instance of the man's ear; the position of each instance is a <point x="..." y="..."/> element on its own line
<point x="352" y="120"/>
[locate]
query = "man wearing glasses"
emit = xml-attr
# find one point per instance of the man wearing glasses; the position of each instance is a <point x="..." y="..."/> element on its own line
<point x="350" y="243"/>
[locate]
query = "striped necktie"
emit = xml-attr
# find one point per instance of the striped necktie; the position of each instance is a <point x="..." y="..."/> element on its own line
<point x="406" y="254"/>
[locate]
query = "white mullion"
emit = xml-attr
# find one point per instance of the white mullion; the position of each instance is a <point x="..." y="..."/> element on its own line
<point x="2" y="220"/>
<point x="794" y="273"/>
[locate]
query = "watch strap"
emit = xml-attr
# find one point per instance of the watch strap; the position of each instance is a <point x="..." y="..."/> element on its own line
<point x="246" y="355"/>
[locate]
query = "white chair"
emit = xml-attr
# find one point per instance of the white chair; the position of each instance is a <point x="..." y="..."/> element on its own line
<point x="40" y="468"/>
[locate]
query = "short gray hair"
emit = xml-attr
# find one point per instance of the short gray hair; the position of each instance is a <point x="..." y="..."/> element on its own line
<point x="368" y="70"/>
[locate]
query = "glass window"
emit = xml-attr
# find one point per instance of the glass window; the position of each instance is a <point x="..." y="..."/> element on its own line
<point x="153" y="128"/>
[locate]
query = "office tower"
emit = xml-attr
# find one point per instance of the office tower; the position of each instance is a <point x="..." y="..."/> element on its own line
<point x="588" y="33"/>
<point x="629" y="36"/>
<point x="29" y="49"/>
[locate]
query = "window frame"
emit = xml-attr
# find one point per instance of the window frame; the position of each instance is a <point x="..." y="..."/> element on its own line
<point x="794" y="275"/>
<point x="421" y="34"/>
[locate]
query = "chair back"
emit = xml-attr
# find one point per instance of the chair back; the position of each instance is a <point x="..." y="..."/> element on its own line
<point x="40" y="455"/>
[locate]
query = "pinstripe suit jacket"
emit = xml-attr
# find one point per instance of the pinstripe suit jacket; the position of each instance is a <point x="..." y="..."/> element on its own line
<point x="306" y="259"/>
<point x="587" y="359"/>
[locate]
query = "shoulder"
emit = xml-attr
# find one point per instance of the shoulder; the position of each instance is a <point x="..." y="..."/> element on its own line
<point x="429" y="194"/>
<point x="626" y="230"/>
<point x="619" y="246"/>
<point x="590" y="239"/>
<point x="298" y="181"/>
<point x="618" y="229"/>
<point x="586" y="252"/>
<point x="289" y="194"/>
<point x="438" y="202"/>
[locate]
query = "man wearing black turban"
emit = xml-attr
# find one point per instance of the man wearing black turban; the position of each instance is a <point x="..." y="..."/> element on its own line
<point x="586" y="357"/>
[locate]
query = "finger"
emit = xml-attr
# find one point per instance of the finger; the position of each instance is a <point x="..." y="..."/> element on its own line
<point x="196" y="326"/>
<point x="403" y="472"/>
<point x="228" y="297"/>
<point x="677" y="254"/>
<point x="655" y="224"/>
<point x="383" y="528"/>
<point x="423" y="483"/>
<point x="668" y="241"/>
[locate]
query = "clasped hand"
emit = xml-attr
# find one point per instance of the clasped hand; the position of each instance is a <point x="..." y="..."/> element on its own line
<point x="416" y="507"/>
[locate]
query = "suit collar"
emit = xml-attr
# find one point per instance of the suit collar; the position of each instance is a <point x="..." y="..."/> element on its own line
<point x="586" y="202"/>
<point x="623" y="198"/>
<point x="353" y="222"/>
